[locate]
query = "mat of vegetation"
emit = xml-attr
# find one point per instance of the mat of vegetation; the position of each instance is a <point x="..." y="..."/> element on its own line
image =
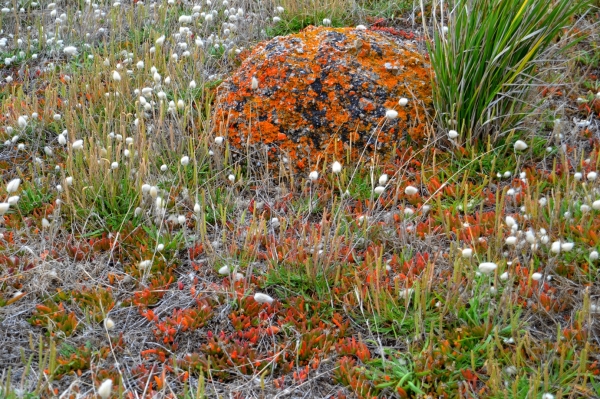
<point x="140" y="259"/>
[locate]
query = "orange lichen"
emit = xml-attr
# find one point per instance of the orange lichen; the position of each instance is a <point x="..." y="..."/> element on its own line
<point x="322" y="94"/>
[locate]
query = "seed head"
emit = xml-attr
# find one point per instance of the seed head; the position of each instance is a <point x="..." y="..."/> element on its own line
<point x="520" y="145"/>
<point x="13" y="185"/>
<point x="410" y="190"/>
<point x="224" y="270"/>
<point x="4" y="206"/>
<point x="109" y="324"/>
<point x="379" y="190"/>
<point x="567" y="246"/>
<point x="336" y="167"/>
<point x="105" y="388"/>
<point x="263" y="298"/>
<point x="70" y="50"/>
<point x="487" y="267"/>
<point x="391" y="114"/>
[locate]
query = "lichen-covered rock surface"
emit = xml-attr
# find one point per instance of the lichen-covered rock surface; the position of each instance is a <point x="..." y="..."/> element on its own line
<point x="322" y="94"/>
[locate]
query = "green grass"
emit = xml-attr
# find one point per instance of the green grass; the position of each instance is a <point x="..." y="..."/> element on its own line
<point x="373" y="300"/>
<point x="499" y="44"/>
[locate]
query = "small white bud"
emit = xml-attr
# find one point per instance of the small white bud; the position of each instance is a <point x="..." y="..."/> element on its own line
<point x="78" y="144"/>
<point x="22" y="122"/>
<point x="336" y="167"/>
<point x="13" y="185"/>
<point x="105" y="388"/>
<point x="567" y="246"/>
<point x="109" y="324"/>
<point x="520" y="145"/>
<point x="487" y="267"/>
<point x="410" y="190"/>
<point x="314" y="175"/>
<point x="70" y="50"/>
<point x="391" y="114"/>
<point x="4" y="206"/>
<point x="145" y="264"/>
<point x="263" y="298"/>
<point x="403" y="102"/>
<point x="224" y="270"/>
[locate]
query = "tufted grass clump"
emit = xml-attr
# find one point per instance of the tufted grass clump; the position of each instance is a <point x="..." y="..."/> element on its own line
<point x="487" y="57"/>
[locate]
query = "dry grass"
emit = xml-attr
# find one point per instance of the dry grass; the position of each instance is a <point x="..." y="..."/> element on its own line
<point x="373" y="295"/>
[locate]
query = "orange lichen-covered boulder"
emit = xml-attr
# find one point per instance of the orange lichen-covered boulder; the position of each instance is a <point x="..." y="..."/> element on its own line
<point x="321" y="95"/>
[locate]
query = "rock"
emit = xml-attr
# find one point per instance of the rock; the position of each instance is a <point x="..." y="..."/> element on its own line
<point x="317" y="95"/>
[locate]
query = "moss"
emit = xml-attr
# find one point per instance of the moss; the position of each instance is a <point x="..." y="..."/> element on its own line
<point x="323" y="94"/>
